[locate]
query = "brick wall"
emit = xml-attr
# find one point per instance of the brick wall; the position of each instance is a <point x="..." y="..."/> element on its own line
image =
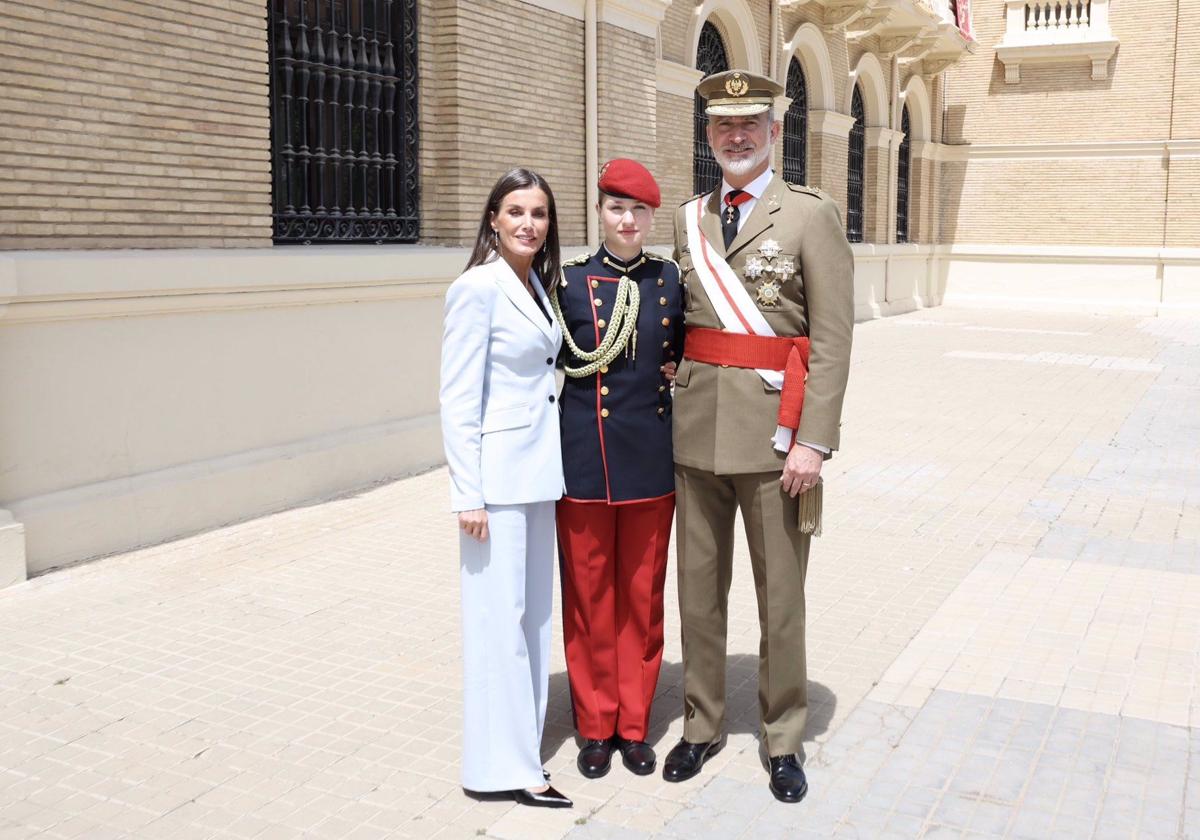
<point x="1101" y="199"/>
<point x="674" y="143"/>
<point x="673" y="31"/>
<point x="627" y="98"/>
<point x="1183" y="208"/>
<point x="507" y="91"/>
<point x="1133" y="103"/>
<point x="1069" y="201"/>
<point x="127" y="124"/>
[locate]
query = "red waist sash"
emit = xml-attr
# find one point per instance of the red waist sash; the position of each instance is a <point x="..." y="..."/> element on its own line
<point x="788" y="354"/>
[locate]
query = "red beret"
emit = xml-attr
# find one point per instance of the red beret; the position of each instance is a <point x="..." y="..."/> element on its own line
<point x="628" y="178"/>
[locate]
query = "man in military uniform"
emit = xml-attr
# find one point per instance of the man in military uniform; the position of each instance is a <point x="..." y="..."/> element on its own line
<point x="621" y="312"/>
<point x="769" y="278"/>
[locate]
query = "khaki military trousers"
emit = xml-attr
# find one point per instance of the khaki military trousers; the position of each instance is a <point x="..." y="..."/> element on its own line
<point x="706" y="504"/>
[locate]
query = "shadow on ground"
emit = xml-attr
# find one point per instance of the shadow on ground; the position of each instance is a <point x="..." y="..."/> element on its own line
<point x="741" y="709"/>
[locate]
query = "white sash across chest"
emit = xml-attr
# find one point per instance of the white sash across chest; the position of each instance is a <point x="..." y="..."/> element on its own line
<point x="735" y="309"/>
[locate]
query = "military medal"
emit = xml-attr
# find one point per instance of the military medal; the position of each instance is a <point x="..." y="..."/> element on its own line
<point x="771" y="271"/>
<point x="767" y="293"/>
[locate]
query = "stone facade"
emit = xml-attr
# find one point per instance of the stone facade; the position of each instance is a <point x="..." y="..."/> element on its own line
<point x="1061" y="157"/>
<point x="132" y="127"/>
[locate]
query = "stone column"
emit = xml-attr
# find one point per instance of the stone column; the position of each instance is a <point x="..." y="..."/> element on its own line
<point x="879" y="200"/>
<point x="922" y="190"/>
<point x="675" y="85"/>
<point x="782" y="103"/>
<point x="828" y="145"/>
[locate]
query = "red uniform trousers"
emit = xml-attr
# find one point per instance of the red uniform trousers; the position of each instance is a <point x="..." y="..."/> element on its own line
<point x="614" y="565"/>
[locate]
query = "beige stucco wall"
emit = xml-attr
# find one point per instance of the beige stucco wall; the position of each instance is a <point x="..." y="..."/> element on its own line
<point x="150" y="394"/>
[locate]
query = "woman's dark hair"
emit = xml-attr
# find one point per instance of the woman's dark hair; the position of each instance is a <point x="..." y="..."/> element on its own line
<point x="547" y="261"/>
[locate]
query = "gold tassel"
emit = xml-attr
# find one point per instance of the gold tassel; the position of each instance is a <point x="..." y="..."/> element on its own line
<point x="810" y="509"/>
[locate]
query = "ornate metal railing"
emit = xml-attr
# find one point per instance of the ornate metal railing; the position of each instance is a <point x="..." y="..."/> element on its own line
<point x="795" y="127"/>
<point x="855" y="170"/>
<point x="344" y="120"/>
<point x="711" y="57"/>
<point x="902" y="170"/>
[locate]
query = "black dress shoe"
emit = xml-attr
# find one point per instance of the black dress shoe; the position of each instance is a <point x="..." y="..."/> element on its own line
<point x="595" y="758"/>
<point x="548" y="798"/>
<point x="637" y="756"/>
<point x="685" y="759"/>
<point x="787" y="778"/>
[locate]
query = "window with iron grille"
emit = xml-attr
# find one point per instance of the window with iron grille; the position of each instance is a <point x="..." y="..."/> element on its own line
<point x="855" y="170"/>
<point x="902" y="169"/>
<point x="344" y="120"/>
<point x="710" y="58"/>
<point x="795" y="127"/>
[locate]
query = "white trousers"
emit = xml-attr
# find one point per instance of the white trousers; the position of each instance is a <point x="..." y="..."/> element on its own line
<point x="507" y="598"/>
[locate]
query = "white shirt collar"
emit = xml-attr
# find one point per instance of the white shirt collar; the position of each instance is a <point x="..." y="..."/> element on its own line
<point x="756" y="187"/>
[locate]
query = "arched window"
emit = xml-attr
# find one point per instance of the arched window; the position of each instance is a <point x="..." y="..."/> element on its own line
<point x="710" y="58"/>
<point x="855" y="170"/>
<point x="795" y="127"/>
<point x="902" y="180"/>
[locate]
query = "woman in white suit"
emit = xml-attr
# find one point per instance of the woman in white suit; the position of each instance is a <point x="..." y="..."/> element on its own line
<point x="500" y="429"/>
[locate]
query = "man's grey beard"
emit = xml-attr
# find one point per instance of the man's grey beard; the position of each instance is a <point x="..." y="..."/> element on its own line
<point x="743" y="165"/>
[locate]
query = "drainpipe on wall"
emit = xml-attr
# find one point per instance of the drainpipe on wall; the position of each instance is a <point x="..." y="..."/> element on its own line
<point x="773" y="42"/>
<point x="591" y="163"/>
<point x="1162" y="265"/>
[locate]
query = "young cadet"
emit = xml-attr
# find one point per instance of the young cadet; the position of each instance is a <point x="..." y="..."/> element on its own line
<point x="621" y="314"/>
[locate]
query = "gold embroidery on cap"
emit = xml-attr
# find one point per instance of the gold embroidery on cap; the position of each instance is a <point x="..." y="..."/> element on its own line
<point x="737" y="85"/>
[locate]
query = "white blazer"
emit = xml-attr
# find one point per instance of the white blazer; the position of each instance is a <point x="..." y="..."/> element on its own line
<point x="499" y="409"/>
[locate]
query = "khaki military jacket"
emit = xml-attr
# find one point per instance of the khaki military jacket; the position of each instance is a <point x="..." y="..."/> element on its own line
<point x="725" y="417"/>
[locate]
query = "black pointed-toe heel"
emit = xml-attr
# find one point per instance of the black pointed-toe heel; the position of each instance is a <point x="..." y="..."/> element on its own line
<point x="548" y="798"/>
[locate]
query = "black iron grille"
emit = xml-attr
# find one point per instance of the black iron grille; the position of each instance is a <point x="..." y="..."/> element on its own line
<point x="344" y="120"/>
<point x="710" y="58"/>
<point x="902" y="169"/>
<point x="795" y="127"/>
<point x="855" y="171"/>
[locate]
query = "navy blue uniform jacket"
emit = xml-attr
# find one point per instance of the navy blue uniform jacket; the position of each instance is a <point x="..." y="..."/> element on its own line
<point x="616" y="424"/>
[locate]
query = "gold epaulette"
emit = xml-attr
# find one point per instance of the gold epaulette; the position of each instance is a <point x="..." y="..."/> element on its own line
<point x="662" y="259"/>
<point x="579" y="260"/>
<point x="801" y="188"/>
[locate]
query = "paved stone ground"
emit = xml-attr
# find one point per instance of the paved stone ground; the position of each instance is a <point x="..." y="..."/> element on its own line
<point x="1004" y="635"/>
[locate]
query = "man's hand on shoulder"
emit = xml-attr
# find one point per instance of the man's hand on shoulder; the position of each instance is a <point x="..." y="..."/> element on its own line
<point x="801" y="469"/>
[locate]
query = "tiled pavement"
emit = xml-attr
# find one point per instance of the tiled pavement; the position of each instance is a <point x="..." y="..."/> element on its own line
<point x="1004" y="634"/>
